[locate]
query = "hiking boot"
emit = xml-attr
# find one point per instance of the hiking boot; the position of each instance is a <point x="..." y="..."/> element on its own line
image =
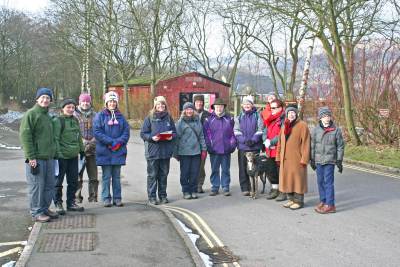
<point x="42" y="218"/>
<point x="194" y="196"/>
<point x="164" y="200"/>
<point x="107" y="204"/>
<point x="246" y="193"/>
<point x="274" y="193"/>
<point x="153" y="201"/>
<point x="227" y="193"/>
<point x="75" y="207"/>
<point x="187" y="196"/>
<point x="200" y="190"/>
<point x="51" y="214"/>
<point x="60" y="209"/>
<point x="213" y="193"/>
<point x="319" y="206"/>
<point x="281" y="197"/>
<point x="288" y="204"/>
<point x="118" y="203"/>
<point x="296" y="206"/>
<point x="327" y="209"/>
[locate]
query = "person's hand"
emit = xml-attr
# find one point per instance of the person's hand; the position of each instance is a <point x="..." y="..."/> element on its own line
<point x="303" y="165"/>
<point x="313" y="166"/>
<point x="267" y="143"/>
<point x="116" y="146"/>
<point x="81" y="155"/>
<point x="339" y="164"/>
<point x="33" y="163"/>
<point x="156" y="138"/>
<point x="249" y="143"/>
<point x="169" y="138"/>
<point x="203" y="155"/>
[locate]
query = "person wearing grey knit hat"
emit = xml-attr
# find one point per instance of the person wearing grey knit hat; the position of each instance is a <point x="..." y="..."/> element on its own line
<point x="188" y="105"/>
<point x="68" y="101"/>
<point x="324" y="111"/>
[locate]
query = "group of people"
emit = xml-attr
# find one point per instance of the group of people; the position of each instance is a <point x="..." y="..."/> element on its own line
<point x="64" y="145"/>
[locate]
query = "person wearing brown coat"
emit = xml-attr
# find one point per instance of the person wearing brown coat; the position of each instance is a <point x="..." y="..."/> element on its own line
<point x="293" y="154"/>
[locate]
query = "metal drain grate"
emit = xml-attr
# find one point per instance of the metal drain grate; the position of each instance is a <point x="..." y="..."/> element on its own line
<point x="67" y="242"/>
<point x="220" y="255"/>
<point x="73" y="222"/>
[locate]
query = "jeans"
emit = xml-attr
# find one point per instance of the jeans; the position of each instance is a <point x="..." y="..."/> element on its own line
<point x="91" y="170"/>
<point x="190" y="166"/>
<point x="325" y="179"/>
<point x="222" y="178"/>
<point x="157" y="173"/>
<point x="111" y="174"/>
<point x="40" y="187"/>
<point x="68" y="168"/>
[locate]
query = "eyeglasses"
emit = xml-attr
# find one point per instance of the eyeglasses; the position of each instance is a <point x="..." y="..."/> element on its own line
<point x="275" y="107"/>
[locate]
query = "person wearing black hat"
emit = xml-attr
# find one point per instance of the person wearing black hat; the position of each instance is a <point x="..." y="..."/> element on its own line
<point x="198" y="101"/>
<point x="70" y="146"/>
<point x="38" y="141"/>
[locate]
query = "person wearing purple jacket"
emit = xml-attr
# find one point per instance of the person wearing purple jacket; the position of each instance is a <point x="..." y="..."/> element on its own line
<point x="221" y="142"/>
<point x="248" y="132"/>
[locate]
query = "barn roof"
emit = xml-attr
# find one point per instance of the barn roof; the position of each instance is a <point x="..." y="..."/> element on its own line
<point x="145" y="80"/>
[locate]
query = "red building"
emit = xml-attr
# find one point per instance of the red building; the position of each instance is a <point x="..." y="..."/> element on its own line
<point x="177" y="90"/>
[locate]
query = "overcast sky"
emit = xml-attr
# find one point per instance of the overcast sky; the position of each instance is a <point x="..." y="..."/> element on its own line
<point x="31" y="6"/>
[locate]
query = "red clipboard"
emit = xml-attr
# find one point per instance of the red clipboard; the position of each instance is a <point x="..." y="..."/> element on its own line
<point x="165" y="135"/>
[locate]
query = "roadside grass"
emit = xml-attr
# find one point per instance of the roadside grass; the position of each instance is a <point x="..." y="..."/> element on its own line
<point x="381" y="155"/>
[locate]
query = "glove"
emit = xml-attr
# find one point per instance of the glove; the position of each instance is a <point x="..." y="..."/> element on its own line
<point x="115" y="146"/>
<point x="339" y="165"/>
<point x="249" y="143"/>
<point x="203" y="155"/>
<point x="267" y="143"/>
<point x="313" y="166"/>
<point x="81" y="155"/>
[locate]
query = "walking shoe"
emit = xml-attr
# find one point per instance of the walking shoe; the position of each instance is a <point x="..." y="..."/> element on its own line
<point x="281" y="197"/>
<point x="92" y="199"/>
<point x="227" y="193"/>
<point x="79" y="199"/>
<point x="118" y="203"/>
<point x="194" y="196"/>
<point x="51" y="214"/>
<point x="200" y="190"/>
<point x="296" y="206"/>
<point x="107" y="204"/>
<point x="327" y="209"/>
<point x="164" y="200"/>
<point x="288" y="204"/>
<point x="75" y="207"/>
<point x="187" y="196"/>
<point x="319" y="206"/>
<point x="42" y="218"/>
<point x="60" y="209"/>
<point x="213" y="193"/>
<point x="153" y="201"/>
<point x="246" y="193"/>
<point x="274" y="193"/>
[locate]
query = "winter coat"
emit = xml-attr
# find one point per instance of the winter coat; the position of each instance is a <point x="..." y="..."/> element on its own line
<point x="68" y="137"/>
<point x="153" y="125"/>
<point x="218" y="133"/>
<point x="36" y="134"/>
<point x="108" y="135"/>
<point x="85" y="120"/>
<point x="188" y="142"/>
<point x="271" y="132"/>
<point x="292" y="154"/>
<point x="203" y="116"/>
<point x="249" y="126"/>
<point x="327" y="145"/>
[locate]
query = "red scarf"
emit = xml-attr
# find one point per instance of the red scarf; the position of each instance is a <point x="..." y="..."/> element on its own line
<point x="268" y="121"/>
<point x="288" y="127"/>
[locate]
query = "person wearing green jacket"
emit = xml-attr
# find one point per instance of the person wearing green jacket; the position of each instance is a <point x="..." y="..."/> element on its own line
<point x="70" y="146"/>
<point x="39" y="145"/>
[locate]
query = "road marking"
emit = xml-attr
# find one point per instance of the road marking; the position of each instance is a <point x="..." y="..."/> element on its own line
<point x="189" y="215"/>
<point x="371" y="171"/>
<point x="14" y="243"/>
<point x="11" y="251"/>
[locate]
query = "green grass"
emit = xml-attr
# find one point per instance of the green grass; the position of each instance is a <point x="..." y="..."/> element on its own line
<point x="386" y="156"/>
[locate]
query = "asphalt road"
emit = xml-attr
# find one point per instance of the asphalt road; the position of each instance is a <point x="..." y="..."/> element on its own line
<point x="363" y="232"/>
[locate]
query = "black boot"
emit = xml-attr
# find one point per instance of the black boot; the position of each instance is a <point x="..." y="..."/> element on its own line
<point x="273" y="194"/>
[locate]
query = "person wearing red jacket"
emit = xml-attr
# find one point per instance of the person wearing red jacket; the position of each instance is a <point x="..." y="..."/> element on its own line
<point x="267" y="110"/>
<point x="273" y="124"/>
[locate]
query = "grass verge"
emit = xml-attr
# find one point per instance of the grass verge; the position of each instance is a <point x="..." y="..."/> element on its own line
<point x="386" y="156"/>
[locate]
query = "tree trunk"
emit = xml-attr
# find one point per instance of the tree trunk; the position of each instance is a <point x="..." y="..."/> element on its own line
<point x="304" y="80"/>
<point x="126" y="98"/>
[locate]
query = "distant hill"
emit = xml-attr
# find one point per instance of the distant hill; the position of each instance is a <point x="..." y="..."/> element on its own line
<point x="261" y="83"/>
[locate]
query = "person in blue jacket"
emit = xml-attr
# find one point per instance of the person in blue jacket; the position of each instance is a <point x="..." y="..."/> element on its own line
<point x="111" y="131"/>
<point x="158" y="132"/>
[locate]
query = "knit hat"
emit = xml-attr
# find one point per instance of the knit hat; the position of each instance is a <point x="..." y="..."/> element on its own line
<point x="324" y="111"/>
<point x="44" y="91"/>
<point x="291" y="108"/>
<point x="160" y="99"/>
<point x="67" y="101"/>
<point x="110" y="96"/>
<point x="248" y="100"/>
<point x="84" y="97"/>
<point x="218" y="101"/>
<point x="188" y="105"/>
<point x="198" y="98"/>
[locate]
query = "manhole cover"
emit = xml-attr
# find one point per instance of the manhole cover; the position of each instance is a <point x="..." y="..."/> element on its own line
<point x="73" y="222"/>
<point x="67" y="242"/>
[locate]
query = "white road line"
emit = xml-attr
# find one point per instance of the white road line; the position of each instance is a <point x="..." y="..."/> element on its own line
<point x="11" y="251"/>
<point x="371" y="171"/>
<point x="14" y="243"/>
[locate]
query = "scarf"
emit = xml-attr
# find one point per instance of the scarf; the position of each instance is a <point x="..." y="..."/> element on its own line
<point x="268" y="121"/>
<point x="327" y="129"/>
<point x="288" y="127"/>
<point x="160" y="115"/>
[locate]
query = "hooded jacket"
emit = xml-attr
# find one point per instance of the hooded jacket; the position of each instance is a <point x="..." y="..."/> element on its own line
<point x="218" y="133"/>
<point x="327" y="144"/>
<point x="188" y="142"/>
<point x="249" y="126"/>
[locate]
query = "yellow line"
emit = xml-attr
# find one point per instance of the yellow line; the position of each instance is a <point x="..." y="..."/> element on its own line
<point x="195" y="226"/>
<point x="372" y="171"/>
<point x="9" y="252"/>
<point x="13" y="243"/>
